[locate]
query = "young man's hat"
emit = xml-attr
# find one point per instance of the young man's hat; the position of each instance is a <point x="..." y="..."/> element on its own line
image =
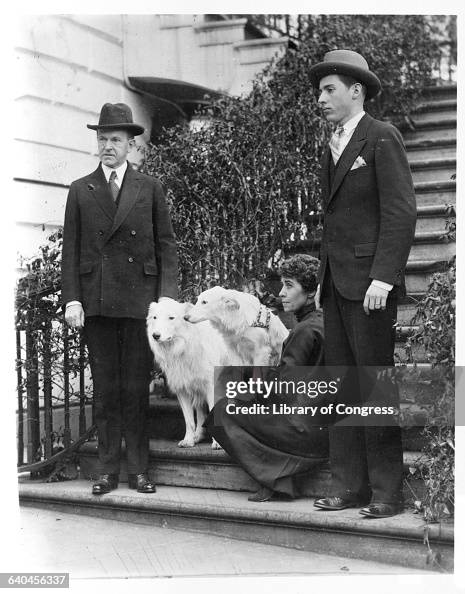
<point x="349" y="63"/>
<point x="117" y="116"/>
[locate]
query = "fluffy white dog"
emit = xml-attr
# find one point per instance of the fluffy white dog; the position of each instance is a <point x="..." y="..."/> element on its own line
<point x="249" y="328"/>
<point x="187" y="354"/>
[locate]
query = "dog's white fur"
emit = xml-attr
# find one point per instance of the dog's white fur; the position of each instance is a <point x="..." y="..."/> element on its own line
<point x="232" y="313"/>
<point x="187" y="354"/>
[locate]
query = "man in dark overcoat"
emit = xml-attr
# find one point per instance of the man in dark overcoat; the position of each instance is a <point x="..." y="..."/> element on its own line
<point x="369" y="226"/>
<point x="119" y="254"/>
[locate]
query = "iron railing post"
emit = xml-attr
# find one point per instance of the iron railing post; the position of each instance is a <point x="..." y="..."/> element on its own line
<point x="20" y="417"/>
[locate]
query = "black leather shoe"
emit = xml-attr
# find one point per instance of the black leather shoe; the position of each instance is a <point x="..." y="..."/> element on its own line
<point x="336" y="503"/>
<point x="105" y="484"/>
<point x="263" y="494"/>
<point x="266" y="494"/>
<point x="141" y="482"/>
<point x="381" y="510"/>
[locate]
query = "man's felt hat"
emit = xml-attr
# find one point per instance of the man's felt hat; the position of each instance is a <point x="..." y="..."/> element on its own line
<point x="117" y="116"/>
<point x="349" y="63"/>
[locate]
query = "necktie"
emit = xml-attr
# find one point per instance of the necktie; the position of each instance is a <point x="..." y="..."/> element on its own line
<point x="114" y="189"/>
<point x="336" y="143"/>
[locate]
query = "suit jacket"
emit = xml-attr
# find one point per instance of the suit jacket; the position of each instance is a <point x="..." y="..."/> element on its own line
<point x="369" y="212"/>
<point x="116" y="260"/>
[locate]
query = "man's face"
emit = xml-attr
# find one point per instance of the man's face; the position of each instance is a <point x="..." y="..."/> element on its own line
<point x="113" y="147"/>
<point x="335" y="100"/>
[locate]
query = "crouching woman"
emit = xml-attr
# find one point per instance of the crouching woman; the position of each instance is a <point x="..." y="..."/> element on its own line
<point x="280" y="450"/>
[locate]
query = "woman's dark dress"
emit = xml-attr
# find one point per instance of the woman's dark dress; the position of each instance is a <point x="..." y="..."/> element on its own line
<point x="273" y="449"/>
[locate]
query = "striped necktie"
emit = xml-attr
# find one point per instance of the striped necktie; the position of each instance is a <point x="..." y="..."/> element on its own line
<point x="114" y="189"/>
<point x="335" y="143"/>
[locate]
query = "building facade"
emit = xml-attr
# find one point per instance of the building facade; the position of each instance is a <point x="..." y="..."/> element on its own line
<point x="68" y="66"/>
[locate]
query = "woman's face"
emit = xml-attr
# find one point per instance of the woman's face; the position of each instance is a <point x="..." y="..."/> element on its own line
<point x="292" y="294"/>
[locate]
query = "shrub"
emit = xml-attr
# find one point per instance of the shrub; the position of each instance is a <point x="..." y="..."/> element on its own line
<point x="435" y="317"/>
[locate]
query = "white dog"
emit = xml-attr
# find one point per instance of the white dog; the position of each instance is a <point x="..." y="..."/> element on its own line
<point x="249" y="328"/>
<point x="187" y="354"/>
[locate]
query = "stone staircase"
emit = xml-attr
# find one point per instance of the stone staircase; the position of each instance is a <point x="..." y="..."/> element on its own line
<point x="431" y="149"/>
<point x="204" y="490"/>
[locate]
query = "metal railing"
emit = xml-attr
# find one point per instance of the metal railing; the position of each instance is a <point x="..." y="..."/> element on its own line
<point x="54" y="404"/>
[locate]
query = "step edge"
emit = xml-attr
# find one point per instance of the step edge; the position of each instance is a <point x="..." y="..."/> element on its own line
<point x="433" y="210"/>
<point x="437" y="533"/>
<point x="430" y="143"/>
<point x="431" y="186"/>
<point x="442" y="163"/>
<point x="446" y="123"/>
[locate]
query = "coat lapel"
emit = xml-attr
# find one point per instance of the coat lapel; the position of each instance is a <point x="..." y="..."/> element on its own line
<point x="100" y="191"/>
<point x="350" y="153"/>
<point x="128" y="196"/>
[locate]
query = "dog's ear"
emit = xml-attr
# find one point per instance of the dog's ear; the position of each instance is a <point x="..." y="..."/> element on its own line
<point x="230" y="303"/>
<point x="151" y="308"/>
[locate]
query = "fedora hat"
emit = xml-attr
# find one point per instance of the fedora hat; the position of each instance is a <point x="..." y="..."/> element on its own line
<point x="117" y="116"/>
<point x="349" y="63"/>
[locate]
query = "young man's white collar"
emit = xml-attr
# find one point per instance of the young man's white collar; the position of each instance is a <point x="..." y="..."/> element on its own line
<point x="120" y="171"/>
<point x="351" y="124"/>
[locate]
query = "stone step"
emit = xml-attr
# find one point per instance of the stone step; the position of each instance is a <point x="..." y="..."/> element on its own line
<point x="433" y="169"/>
<point x="434" y="105"/>
<point x="431" y="224"/>
<point x="426" y="174"/>
<point x="297" y="524"/>
<point x="435" y="240"/>
<point x="432" y="130"/>
<point x="405" y="313"/>
<point x="433" y="218"/>
<point x="430" y="246"/>
<point x="446" y="149"/>
<point x="419" y="274"/>
<point x="440" y="92"/>
<point x="201" y="467"/>
<point x="436" y="198"/>
<point x="434" y="193"/>
<point x="442" y="111"/>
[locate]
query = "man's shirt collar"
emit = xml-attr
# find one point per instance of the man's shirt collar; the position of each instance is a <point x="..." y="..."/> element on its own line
<point x="351" y="124"/>
<point x="120" y="171"/>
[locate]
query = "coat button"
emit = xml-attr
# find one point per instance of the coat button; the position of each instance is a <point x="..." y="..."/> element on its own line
<point x="130" y="259"/>
<point x="133" y="232"/>
<point x="105" y="257"/>
<point x="100" y="232"/>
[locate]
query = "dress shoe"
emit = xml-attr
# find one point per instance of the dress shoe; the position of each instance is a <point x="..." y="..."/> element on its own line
<point x="381" y="510"/>
<point x="336" y="503"/>
<point x="141" y="482"/>
<point x="263" y="494"/>
<point x="105" y="484"/>
<point x="266" y="494"/>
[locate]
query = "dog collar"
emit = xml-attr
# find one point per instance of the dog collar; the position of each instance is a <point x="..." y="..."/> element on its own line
<point x="257" y="323"/>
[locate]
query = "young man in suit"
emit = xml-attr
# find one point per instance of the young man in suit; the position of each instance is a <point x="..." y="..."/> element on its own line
<point x="369" y="226"/>
<point x="119" y="254"/>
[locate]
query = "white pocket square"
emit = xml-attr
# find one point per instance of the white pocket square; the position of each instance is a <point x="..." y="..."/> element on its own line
<point x="359" y="162"/>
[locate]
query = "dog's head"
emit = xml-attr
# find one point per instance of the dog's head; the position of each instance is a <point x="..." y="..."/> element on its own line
<point x="211" y="305"/>
<point x="165" y="320"/>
